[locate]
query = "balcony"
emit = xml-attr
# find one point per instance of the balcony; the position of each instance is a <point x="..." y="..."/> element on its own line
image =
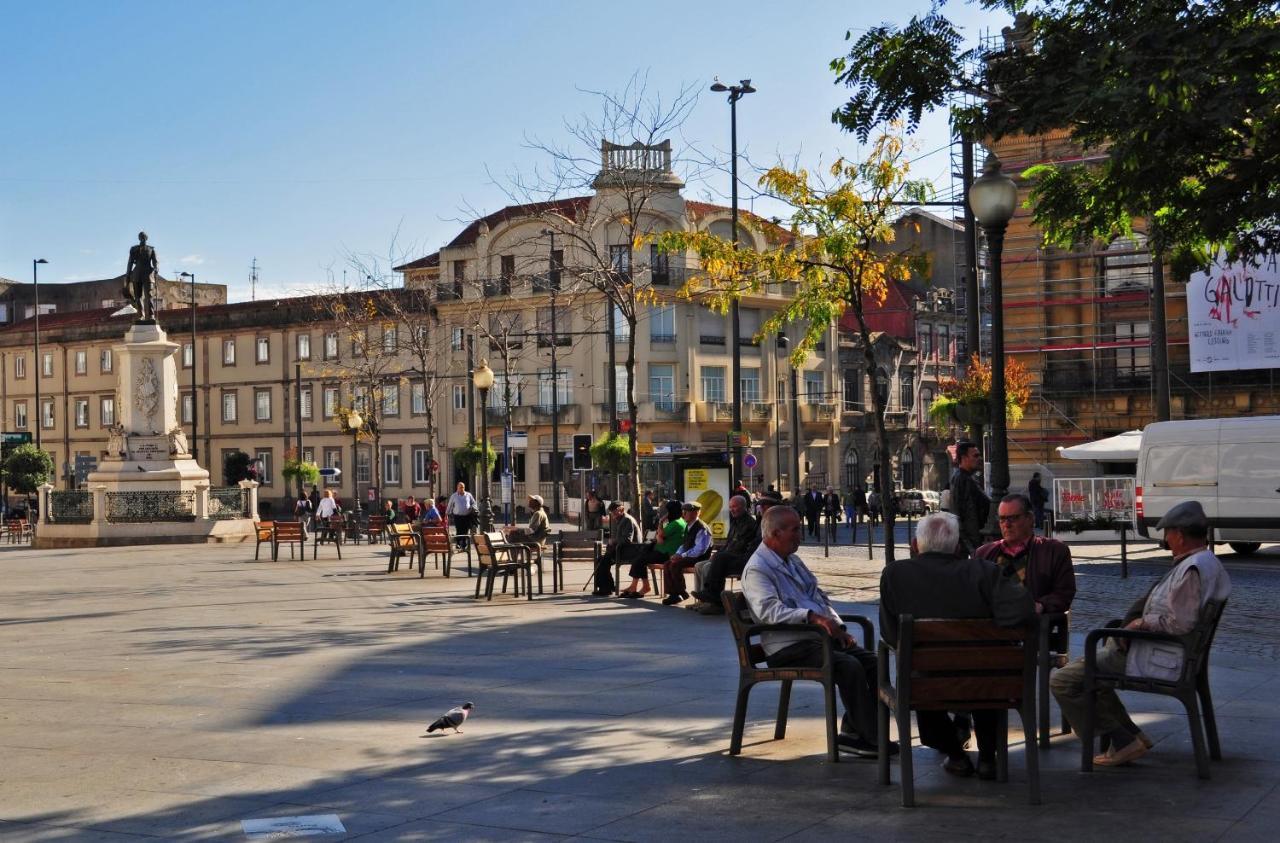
<point x="759" y="411"/>
<point x="712" y="339"/>
<point x="714" y="411"/>
<point x="497" y="286"/>
<point x="664" y="411"/>
<point x="817" y="413"/>
<point x="669" y="276"/>
<point x="662" y="339"/>
<point x="449" y="291"/>
<point x="602" y="412"/>
<point x="544" y="340"/>
<point x="539" y="414"/>
<point x="546" y="282"/>
<point x="853" y="408"/>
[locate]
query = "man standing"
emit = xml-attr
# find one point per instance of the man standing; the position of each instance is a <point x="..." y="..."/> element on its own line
<point x="812" y="507"/>
<point x="1043" y="565"/>
<point x="936" y="584"/>
<point x="969" y="503"/>
<point x="462" y="512"/>
<point x="743" y="539"/>
<point x="1172" y="606"/>
<point x="831" y="506"/>
<point x="780" y="589"/>
<point x="1038" y="496"/>
<point x="695" y="548"/>
<point x="624" y="544"/>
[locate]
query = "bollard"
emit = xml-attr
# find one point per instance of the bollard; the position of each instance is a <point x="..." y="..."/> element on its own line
<point x="1124" y="550"/>
<point x="826" y="539"/>
<point x="870" y="537"/>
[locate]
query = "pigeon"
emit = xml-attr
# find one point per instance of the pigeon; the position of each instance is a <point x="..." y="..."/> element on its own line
<point x="453" y="718"/>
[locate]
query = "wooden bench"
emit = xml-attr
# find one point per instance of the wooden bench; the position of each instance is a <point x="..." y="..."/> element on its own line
<point x="958" y="665"/>
<point x="437" y="543"/>
<point x="266" y="534"/>
<point x="754" y="669"/>
<point x="376" y="528"/>
<point x="495" y="557"/>
<point x="330" y="531"/>
<point x="1192" y="684"/>
<point x="19" y="530"/>
<point x="290" y="533"/>
<point x="404" y="540"/>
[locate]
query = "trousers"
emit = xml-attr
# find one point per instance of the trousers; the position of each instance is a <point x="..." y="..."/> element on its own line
<point x="1067" y="685"/>
<point x="938" y="731"/>
<point x="855" y="675"/>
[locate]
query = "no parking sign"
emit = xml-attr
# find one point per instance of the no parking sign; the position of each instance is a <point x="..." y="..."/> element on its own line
<point x="749" y="461"/>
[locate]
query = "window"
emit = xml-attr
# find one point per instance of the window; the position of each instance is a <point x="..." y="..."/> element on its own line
<point x="662" y="323"/>
<point x="4" y="312"/>
<point x="459" y="397"/>
<point x="925" y="342"/>
<point x="82" y="412"/>
<point x="264" y="471"/>
<point x="82" y="362"/>
<point x="907" y="387"/>
<point x="815" y="387"/>
<point x="229" y="413"/>
<point x="421" y="466"/>
<point x="359" y="399"/>
<point x="907" y="469"/>
<point x="228" y="352"/>
<point x="944" y="344"/>
<point x="1133" y="361"/>
<point x="330" y="407"/>
<point x="621" y="326"/>
<point x="331" y="345"/>
<point x="188" y="356"/>
<point x="498" y="395"/>
<point x="852" y="390"/>
<point x="105" y="361"/>
<point x="262" y="350"/>
<point x="304" y="346"/>
<point x="551" y="281"/>
<point x="710" y="327"/>
<point x="391" y="399"/>
<point x="418" y="398"/>
<point x="713" y="383"/>
<point x="46" y="414"/>
<point x="108" y="411"/>
<point x="20" y="366"/>
<point x="186" y="408"/>
<point x="882" y="387"/>
<point x="46" y="364"/>
<point x="1127" y="264"/>
<point x="389" y="339"/>
<point x="262" y="405"/>
<point x="359" y="342"/>
<point x="852" y="469"/>
<point x="563" y="389"/>
<point x="459" y="279"/>
<point x="659" y="267"/>
<point x="748" y="326"/>
<point x="620" y="261"/>
<point x="364" y="471"/>
<point x="304" y="402"/>
<point x="457" y="339"/>
<point x="749" y="385"/>
<point x="333" y="458"/>
<point x="662" y="386"/>
<point x="501" y="286"/>
<point x="926" y="398"/>
<point x="20" y="415"/>
<point x="621" y="388"/>
<point x="391" y="466"/>
<point x="309" y="455"/>
<point x="544" y="325"/>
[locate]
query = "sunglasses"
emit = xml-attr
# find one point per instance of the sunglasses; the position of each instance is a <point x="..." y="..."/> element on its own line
<point x="1009" y="519"/>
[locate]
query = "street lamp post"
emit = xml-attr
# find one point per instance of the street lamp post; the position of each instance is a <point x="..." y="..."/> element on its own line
<point x="557" y="460"/>
<point x="39" y="366"/>
<point x="784" y="343"/>
<point x="736" y="92"/>
<point x="483" y="379"/>
<point x="195" y="412"/>
<point x="354" y="423"/>
<point x="994" y="198"/>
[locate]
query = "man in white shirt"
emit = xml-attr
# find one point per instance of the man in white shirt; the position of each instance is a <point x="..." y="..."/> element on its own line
<point x="462" y="512"/>
<point x="780" y="589"/>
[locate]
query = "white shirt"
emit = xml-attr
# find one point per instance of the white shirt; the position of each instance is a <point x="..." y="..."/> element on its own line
<point x="327" y="507"/>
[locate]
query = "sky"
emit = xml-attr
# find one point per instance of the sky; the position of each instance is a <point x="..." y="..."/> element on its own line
<point x="302" y="134"/>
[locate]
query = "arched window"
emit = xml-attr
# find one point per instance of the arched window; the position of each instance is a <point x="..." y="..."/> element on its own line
<point x="852" y="469"/>
<point x="907" y="469"/>
<point x="1127" y="264"/>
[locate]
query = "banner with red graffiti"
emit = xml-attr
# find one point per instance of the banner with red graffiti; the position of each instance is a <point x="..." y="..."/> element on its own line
<point x="1085" y="497"/>
<point x="1234" y="316"/>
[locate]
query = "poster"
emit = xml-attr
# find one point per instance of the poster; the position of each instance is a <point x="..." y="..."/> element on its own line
<point x="1233" y="312"/>
<point x="1093" y="497"/>
<point x="710" y="487"/>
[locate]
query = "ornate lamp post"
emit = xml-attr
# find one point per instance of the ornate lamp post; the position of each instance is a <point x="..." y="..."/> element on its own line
<point x="483" y="380"/>
<point x="994" y="198"/>
<point x="354" y="423"/>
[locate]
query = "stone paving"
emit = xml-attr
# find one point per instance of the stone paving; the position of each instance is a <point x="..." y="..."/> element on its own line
<point x="171" y="692"/>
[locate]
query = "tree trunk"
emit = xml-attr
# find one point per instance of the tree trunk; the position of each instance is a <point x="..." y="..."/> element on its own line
<point x="633" y="416"/>
<point x="882" y="434"/>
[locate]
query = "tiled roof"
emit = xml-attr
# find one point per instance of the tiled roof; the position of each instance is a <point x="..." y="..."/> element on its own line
<point x="428" y="262"/>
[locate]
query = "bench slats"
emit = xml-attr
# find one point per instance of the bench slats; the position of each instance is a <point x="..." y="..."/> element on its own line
<point x="929" y="658"/>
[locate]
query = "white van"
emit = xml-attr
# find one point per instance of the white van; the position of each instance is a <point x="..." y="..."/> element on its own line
<point x="1232" y="466"/>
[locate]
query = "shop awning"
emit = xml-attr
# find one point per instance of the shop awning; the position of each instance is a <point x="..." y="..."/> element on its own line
<point x="1121" y="448"/>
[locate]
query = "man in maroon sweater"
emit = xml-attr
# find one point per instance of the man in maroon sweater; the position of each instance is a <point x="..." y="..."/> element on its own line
<point x="1042" y="564"/>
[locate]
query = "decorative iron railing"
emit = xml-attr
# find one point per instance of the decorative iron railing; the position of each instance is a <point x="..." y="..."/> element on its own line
<point x="143" y="507"/>
<point x="227" y="502"/>
<point x="71" y="507"/>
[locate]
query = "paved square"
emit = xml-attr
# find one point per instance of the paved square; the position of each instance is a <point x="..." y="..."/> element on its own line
<point x="171" y="692"/>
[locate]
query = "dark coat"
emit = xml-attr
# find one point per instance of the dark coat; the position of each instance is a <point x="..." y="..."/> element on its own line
<point x="935" y="585"/>
<point x="1051" y="578"/>
<point x="812" y="504"/>
<point x="743" y="538"/>
<point x="971" y="505"/>
<point x="831" y="504"/>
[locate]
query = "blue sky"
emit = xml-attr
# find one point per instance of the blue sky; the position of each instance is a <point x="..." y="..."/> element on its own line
<point x="300" y="133"/>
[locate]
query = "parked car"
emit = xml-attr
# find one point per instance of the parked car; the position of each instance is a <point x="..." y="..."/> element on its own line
<point x="911" y="502"/>
<point x="932" y="501"/>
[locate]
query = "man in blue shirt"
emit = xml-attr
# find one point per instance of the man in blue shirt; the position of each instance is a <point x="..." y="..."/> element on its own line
<point x="695" y="548"/>
<point x="780" y="589"/>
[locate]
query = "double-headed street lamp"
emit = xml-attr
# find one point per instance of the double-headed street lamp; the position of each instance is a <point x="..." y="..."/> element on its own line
<point x="39" y="366"/>
<point x="994" y="198"/>
<point x="195" y="413"/>
<point x="354" y="423"/>
<point x="736" y="92"/>
<point x="483" y="380"/>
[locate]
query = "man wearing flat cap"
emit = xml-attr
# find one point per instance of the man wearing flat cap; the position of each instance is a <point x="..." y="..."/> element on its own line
<point x="1172" y="606"/>
<point x="695" y="548"/>
<point x="539" y="525"/>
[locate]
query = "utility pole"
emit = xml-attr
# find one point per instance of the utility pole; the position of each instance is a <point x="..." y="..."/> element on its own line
<point x="557" y="459"/>
<point x="471" y="398"/>
<point x="297" y="376"/>
<point x="253" y="280"/>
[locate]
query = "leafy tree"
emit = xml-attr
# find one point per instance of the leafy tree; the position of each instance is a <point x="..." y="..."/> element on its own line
<point x="468" y="456"/>
<point x="611" y="453"/>
<point x="27" y="468"/>
<point x="237" y="466"/>
<point x="841" y="257"/>
<point x="1172" y="102"/>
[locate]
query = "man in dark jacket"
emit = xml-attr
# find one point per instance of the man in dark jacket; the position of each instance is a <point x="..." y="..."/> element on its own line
<point x="1042" y="565"/>
<point x="937" y="584"/>
<point x="1039" y="497"/>
<point x="743" y="539"/>
<point x="695" y="547"/>
<point x="969" y="503"/>
<point x="624" y="546"/>
<point x="812" y="508"/>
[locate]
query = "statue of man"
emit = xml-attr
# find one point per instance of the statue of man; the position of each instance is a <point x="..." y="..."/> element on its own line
<point x="139" y="278"/>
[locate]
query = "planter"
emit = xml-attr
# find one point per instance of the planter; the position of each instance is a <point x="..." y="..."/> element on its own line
<point x="973" y="413"/>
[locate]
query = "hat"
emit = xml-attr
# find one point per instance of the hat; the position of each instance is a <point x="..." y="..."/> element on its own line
<point x="770" y="498"/>
<point x="538" y="499"/>
<point x="694" y="505"/>
<point x="1185" y="514"/>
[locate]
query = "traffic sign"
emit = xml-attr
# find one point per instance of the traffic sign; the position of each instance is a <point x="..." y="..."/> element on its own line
<point x="330" y="473"/>
<point x="15" y="439"/>
<point x="739" y="439"/>
<point x="749" y="460"/>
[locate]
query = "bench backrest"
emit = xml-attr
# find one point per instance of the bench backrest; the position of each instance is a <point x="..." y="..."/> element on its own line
<point x="403" y="535"/>
<point x="288" y="531"/>
<point x="437" y="540"/>
<point x="957" y="665"/>
<point x="1199" y="640"/>
<point x="578" y="545"/>
<point x="484" y="548"/>
<point x="264" y="530"/>
<point x="377" y="523"/>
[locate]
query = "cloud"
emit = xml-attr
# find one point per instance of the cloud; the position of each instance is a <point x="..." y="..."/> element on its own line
<point x="192" y="260"/>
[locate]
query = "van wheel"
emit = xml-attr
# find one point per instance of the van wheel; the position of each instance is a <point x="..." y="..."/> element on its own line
<point x="1245" y="548"/>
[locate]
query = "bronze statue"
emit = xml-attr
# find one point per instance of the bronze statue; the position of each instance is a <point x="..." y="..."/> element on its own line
<point x="139" y="279"/>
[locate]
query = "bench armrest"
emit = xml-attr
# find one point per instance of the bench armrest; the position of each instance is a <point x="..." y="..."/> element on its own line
<point x="863" y="623"/>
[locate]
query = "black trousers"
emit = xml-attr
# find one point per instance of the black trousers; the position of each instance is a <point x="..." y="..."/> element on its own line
<point x="938" y="731"/>
<point x="722" y="566"/>
<point x="855" y="675"/>
<point x="612" y="555"/>
<point x="650" y="555"/>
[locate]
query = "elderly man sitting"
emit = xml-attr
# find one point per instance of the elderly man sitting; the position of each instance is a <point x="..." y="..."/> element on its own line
<point x="1172" y="606"/>
<point x="624" y="543"/>
<point x="936" y="584"/>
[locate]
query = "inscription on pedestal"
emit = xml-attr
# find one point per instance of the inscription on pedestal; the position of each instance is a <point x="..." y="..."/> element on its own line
<point x="149" y="448"/>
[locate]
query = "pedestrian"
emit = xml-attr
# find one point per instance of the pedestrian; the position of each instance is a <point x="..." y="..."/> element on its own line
<point x="315" y="497"/>
<point x="462" y="512"/>
<point x="412" y="509"/>
<point x="1038" y="496"/>
<point x="968" y="502"/>
<point x="812" y="509"/>
<point x="594" y="510"/>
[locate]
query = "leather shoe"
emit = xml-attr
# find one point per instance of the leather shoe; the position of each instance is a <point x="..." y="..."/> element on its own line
<point x="959" y="765"/>
<point x="702" y="597"/>
<point x="861" y="747"/>
<point x="987" y="769"/>
<point x="672" y="599"/>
